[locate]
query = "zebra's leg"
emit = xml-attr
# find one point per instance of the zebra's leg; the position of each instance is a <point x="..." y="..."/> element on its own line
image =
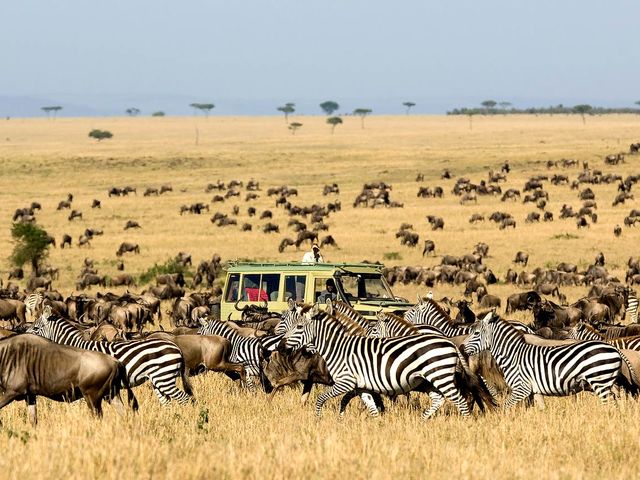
<point x="339" y="388"/>
<point x="372" y="401"/>
<point x="170" y="391"/>
<point x="436" y="402"/>
<point x="518" y="393"/>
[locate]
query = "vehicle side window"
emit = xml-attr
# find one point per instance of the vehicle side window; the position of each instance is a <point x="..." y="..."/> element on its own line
<point x="231" y="295"/>
<point x="294" y="286"/>
<point x="324" y="289"/>
<point x="270" y="284"/>
<point x="251" y="291"/>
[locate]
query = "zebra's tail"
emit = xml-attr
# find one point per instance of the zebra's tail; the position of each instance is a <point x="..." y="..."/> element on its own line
<point x="472" y="387"/>
<point x="628" y="378"/>
<point x="186" y="383"/>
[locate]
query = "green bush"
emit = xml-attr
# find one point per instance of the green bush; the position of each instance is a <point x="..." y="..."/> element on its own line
<point x="392" y="256"/>
<point x="170" y="266"/>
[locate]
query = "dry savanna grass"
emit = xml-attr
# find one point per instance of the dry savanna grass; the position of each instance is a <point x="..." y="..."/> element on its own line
<point x="233" y="434"/>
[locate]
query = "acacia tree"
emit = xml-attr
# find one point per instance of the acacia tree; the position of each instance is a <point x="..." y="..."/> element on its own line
<point x="333" y="121"/>
<point x="408" y="105"/>
<point x="638" y="103"/>
<point x="362" y="112"/>
<point x="287" y="108"/>
<point x="488" y="105"/>
<point x="30" y="245"/>
<point x="504" y="105"/>
<point x="55" y="109"/>
<point x="294" y="126"/>
<point x="329" y="107"/>
<point x="203" y="107"/>
<point x="133" y="111"/>
<point x="583" y="109"/>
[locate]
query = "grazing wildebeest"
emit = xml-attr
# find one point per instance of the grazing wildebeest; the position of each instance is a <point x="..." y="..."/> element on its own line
<point x="75" y="214"/>
<point x="122" y="279"/>
<point x="151" y="191"/>
<point x="89" y="280"/>
<point x="38" y="282"/>
<point x="617" y="230"/>
<point x="521" y="257"/>
<point x="12" y="310"/>
<point x="31" y="366"/>
<point x="66" y="240"/>
<point x="271" y="228"/>
<point x="127" y="247"/>
<point x="507" y="222"/>
<point x="437" y="223"/>
<point x="96" y="203"/>
<point x="522" y="301"/>
<point x="131" y="224"/>
<point x="328" y="240"/>
<point x="429" y="247"/>
<point x="286" y="242"/>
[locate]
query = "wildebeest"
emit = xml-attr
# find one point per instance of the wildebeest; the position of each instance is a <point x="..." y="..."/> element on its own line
<point x="96" y="203"/>
<point x="286" y="242"/>
<point x="617" y="230"/>
<point x="89" y="280"/>
<point x="437" y="223"/>
<point x="270" y="228"/>
<point x="522" y="301"/>
<point x="131" y="224"/>
<point x="11" y="310"/>
<point x="66" y="240"/>
<point x="75" y="214"/>
<point x="429" y="247"/>
<point x="522" y="258"/>
<point x="122" y="279"/>
<point x="31" y="366"/>
<point x="127" y="247"/>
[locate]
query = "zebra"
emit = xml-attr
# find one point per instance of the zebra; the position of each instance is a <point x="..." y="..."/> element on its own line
<point x="158" y="361"/>
<point x="632" y="306"/>
<point x="391" y="325"/>
<point x="583" y="331"/>
<point x="33" y="302"/>
<point x="354" y="323"/>
<point x="428" y="312"/>
<point x="557" y="371"/>
<point x="246" y="350"/>
<point x="383" y="365"/>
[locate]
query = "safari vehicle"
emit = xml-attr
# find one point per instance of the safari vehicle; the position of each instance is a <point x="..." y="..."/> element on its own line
<point x="361" y="285"/>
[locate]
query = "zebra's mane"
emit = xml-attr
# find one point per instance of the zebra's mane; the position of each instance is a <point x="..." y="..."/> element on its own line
<point x="430" y="303"/>
<point x="591" y="329"/>
<point x="388" y="316"/>
<point x="348" y="324"/>
<point x="343" y="324"/>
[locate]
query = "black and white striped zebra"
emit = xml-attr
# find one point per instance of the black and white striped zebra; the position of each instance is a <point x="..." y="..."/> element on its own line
<point x="632" y="306"/>
<point x="556" y="371"/>
<point x="158" y="361"/>
<point x="33" y="303"/>
<point x="583" y="331"/>
<point x="248" y="351"/>
<point x="384" y="365"/>
<point x="428" y="312"/>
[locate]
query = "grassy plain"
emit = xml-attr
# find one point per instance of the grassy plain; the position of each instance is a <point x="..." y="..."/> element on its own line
<point x="245" y="435"/>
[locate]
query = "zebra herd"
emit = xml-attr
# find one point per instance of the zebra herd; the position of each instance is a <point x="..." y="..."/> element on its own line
<point x="423" y="351"/>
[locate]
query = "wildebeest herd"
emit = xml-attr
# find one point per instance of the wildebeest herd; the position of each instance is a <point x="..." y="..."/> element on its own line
<point x="459" y="350"/>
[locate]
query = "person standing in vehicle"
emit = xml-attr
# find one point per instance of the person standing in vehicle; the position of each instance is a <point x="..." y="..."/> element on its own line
<point x="314" y="256"/>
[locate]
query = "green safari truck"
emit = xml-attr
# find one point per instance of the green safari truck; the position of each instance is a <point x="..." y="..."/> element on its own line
<point x="361" y="285"/>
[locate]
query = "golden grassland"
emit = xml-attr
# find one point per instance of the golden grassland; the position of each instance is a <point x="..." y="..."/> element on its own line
<point x="246" y="436"/>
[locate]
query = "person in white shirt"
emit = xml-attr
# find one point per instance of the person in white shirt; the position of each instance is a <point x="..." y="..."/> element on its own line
<point x="314" y="256"/>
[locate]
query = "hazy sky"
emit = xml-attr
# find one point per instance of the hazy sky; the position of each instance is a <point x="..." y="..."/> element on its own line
<point x="440" y="54"/>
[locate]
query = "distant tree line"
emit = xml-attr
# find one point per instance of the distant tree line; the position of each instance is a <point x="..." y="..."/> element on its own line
<point x="491" y="107"/>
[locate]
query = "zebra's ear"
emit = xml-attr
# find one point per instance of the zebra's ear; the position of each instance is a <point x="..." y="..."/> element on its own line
<point x="291" y="304"/>
<point x="420" y="300"/>
<point x="329" y="306"/>
<point x="46" y="312"/>
<point x="203" y="321"/>
<point x="314" y="310"/>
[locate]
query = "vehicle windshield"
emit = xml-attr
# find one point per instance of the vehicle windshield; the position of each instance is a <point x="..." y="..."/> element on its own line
<point x="364" y="287"/>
